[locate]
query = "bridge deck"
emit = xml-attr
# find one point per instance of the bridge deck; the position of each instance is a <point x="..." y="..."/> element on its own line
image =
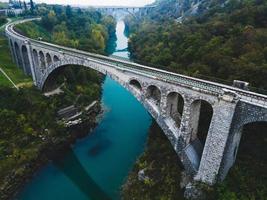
<point x="123" y="64"/>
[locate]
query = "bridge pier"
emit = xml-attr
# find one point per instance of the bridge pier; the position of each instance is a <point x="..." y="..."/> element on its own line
<point x="216" y="139"/>
<point x="163" y="104"/>
<point x="12" y="51"/>
<point x="33" y="72"/>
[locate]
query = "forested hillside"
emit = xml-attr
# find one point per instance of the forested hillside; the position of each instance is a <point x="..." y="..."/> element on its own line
<point x="2" y="20"/>
<point x="83" y="29"/>
<point x="228" y="41"/>
<point x="220" y="41"/>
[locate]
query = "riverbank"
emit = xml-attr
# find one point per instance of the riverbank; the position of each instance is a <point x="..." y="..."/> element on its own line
<point x="157" y="172"/>
<point x="50" y="151"/>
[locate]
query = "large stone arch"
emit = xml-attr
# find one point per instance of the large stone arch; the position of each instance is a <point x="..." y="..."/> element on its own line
<point x="18" y="55"/>
<point x="140" y="96"/>
<point x="26" y="59"/>
<point x="249" y="153"/>
<point x="244" y="114"/>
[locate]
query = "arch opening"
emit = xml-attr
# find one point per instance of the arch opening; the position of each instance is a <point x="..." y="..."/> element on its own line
<point x="26" y="59"/>
<point x="152" y="92"/>
<point x="67" y="75"/>
<point x="251" y="160"/>
<point x="42" y="60"/>
<point x="48" y="59"/>
<point x="136" y="84"/>
<point x="154" y="95"/>
<point x="12" y="48"/>
<point x="56" y="59"/>
<point x="201" y="113"/>
<point x="18" y="55"/>
<point x="175" y="107"/>
<point x="35" y="58"/>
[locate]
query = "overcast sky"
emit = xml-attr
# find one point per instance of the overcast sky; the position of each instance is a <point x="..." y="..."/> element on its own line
<point x="96" y="2"/>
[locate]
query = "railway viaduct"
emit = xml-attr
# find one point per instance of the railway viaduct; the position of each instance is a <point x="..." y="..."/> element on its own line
<point x="173" y="100"/>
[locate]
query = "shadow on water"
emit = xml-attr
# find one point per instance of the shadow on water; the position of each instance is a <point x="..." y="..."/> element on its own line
<point x="79" y="176"/>
<point x="98" y="148"/>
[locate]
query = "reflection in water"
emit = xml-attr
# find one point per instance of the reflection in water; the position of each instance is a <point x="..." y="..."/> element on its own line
<point x="79" y="176"/>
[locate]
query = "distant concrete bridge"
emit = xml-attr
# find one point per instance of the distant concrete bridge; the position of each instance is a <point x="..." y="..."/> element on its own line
<point x="142" y="10"/>
<point x="173" y="100"/>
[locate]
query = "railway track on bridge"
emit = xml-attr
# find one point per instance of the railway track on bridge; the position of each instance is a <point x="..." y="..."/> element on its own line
<point x="127" y="65"/>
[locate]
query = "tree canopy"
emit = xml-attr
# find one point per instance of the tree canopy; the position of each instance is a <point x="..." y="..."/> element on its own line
<point x="227" y="42"/>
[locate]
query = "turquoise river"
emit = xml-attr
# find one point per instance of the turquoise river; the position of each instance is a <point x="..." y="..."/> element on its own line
<point x="97" y="166"/>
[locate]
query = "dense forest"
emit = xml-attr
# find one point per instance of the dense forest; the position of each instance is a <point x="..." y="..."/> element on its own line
<point x="226" y="42"/>
<point x="3" y="20"/>
<point x="87" y="30"/>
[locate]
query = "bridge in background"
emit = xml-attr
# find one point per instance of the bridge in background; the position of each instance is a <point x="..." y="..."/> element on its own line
<point x="173" y="100"/>
<point x="112" y="10"/>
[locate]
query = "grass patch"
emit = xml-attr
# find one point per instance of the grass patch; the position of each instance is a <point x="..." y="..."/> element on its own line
<point x="6" y="63"/>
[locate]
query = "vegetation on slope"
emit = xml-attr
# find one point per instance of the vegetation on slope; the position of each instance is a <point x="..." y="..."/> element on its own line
<point x="3" y="20"/>
<point x="248" y="178"/>
<point x="3" y="5"/>
<point x="83" y="29"/>
<point x="227" y="42"/>
<point x="30" y="135"/>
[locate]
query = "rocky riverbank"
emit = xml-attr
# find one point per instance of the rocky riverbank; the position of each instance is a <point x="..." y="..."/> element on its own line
<point x="157" y="173"/>
<point x="53" y="149"/>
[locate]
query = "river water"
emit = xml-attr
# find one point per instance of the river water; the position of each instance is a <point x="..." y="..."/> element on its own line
<point x="97" y="166"/>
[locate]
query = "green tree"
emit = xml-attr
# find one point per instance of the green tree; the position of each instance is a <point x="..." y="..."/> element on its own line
<point x="32" y="6"/>
<point x="25" y="6"/>
<point x="69" y="11"/>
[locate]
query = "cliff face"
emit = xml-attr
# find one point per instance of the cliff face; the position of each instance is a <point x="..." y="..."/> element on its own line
<point x="180" y="9"/>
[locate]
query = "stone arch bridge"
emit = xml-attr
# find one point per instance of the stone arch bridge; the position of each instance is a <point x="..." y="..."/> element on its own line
<point x="142" y="10"/>
<point x="173" y="100"/>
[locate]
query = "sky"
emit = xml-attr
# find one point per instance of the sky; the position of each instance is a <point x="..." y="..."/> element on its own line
<point x="96" y="2"/>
